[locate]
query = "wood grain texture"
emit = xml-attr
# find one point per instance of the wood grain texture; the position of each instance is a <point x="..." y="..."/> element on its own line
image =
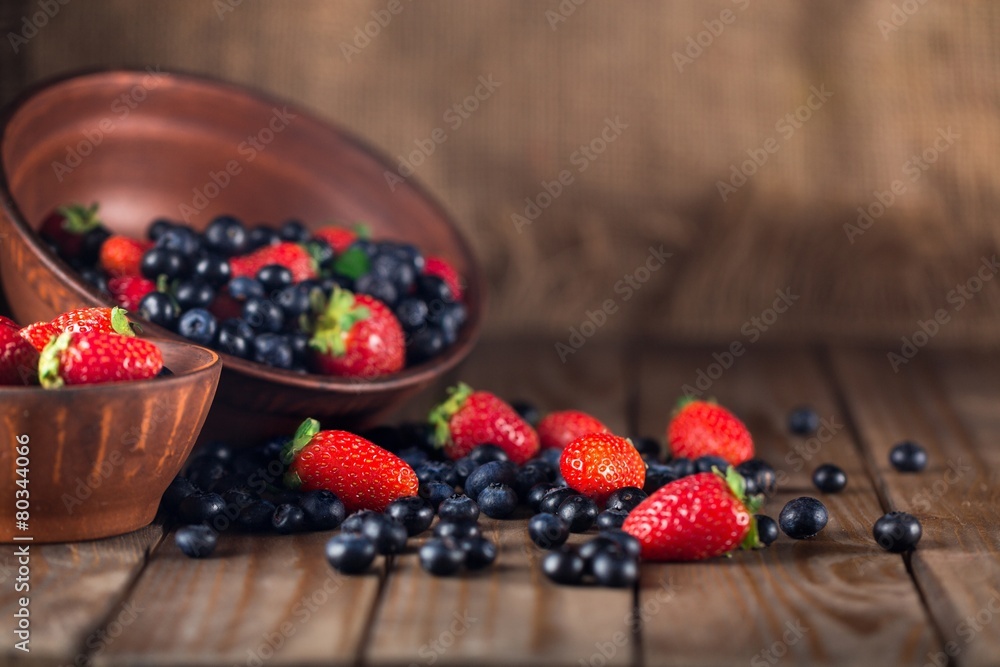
<point x="76" y="593"/>
<point x="834" y="599"/>
<point x="511" y="614"/>
<point x="957" y="498"/>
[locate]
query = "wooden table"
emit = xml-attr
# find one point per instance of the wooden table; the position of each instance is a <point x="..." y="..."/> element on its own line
<point x="836" y="599"/>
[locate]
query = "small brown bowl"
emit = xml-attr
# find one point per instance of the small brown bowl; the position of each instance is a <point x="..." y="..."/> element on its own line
<point x="100" y="457"/>
<point x="145" y="146"/>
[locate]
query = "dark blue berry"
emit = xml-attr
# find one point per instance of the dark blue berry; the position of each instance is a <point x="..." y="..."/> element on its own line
<point x="235" y="338"/>
<point x="486" y="453"/>
<point x="563" y="566"/>
<point x="803" y="421"/>
<point x="498" y="501"/>
<point x="388" y="535"/>
<point x="198" y="326"/>
<point x="767" y="529"/>
<point x="273" y="277"/>
<point x="625" y="499"/>
<point x="493" y="472"/>
<point x="323" y="509"/>
<point x="293" y="301"/>
<point x="381" y="288"/>
<point x="529" y="411"/>
<point x="441" y="557"/>
<point x="625" y="542"/>
<point x="803" y="517"/>
<point x="449" y="319"/>
<point x="554" y="498"/>
<point x="479" y="552"/>
<point x="273" y="350"/>
<point x="706" y="463"/>
<point x="764" y="476"/>
<point x="682" y="467"/>
<point x="908" y="456"/>
<point x="288" y="519"/>
<point x="648" y="448"/>
<point x="162" y="262"/>
<point x="458" y="507"/>
<point x="201" y="507"/>
<point x="414" y="513"/>
<point x="353" y="523"/>
<point x="458" y="530"/>
<point x="196" y="541"/>
<point x="180" y="239"/>
<point x="413" y="456"/>
<point x="159" y="226"/>
<point x="212" y="270"/>
<point x="226" y="236"/>
<point x="528" y="476"/>
<point x="537" y="493"/>
<point x="256" y="517"/>
<point x="463" y="468"/>
<point x="437" y="471"/>
<point x="411" y="313"/>
<point x="179" y="489"/>
<point x="547" y="530"/>
<point x="193" y="294"/>
<point x="350" y="553"/>
<point x="897" y="532"/>
<point x="260" y="236"/>
<point x="614" y="569"/>
<point x="828" y="478"/>
<point x="657" y="476"/>
<point x="293" y="231"/>
<point x="433" y="289"/>
<point x="244" y="287"/>
<point x="436" y="492"/>
<point x="611" y="519"/>
<point x="263" y="315"/>
<point x="579" y="512"/>
<point x="552" y="456"/>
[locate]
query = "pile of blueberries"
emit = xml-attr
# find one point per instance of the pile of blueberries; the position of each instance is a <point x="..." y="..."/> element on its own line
<point x="275" y="311"/>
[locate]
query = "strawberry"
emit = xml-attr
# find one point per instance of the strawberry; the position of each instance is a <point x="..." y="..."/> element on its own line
<point x="67" y="226"/>
<point x="436" y="266"/>
<point x="18" y="359"/>
<point x="102" y="320"/>
<point x="340" y="238"/>
<point x="292" y="256"/>
<point x="598" y="464"/>
<point x="357" y="335"/>
<point x="39" y="334"/>
<point x="6" y="322"/>
<point x="558" y="429"/>
<point x="704" y="428"/>
<point x="359" y="472"/>
<point x="127" y="291"/>
<point x="92" y="357"/>
<point x="469" y="418"/>
<point x="121" y="255"/>
<point x="695" y="517"/>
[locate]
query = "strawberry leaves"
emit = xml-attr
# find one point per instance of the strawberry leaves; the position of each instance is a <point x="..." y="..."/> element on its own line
<point x="440" y="417"/>
<point x="335" y="322"/>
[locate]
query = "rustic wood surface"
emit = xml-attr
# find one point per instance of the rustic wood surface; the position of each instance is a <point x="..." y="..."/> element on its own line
<point x="836" y="599"/>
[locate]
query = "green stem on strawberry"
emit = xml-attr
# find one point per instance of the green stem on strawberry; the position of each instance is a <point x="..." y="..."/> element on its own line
<point x="303" y="435"/>
<point x="120" y="323"/>
<point x="48" y="361"/>
<point x="79" y="219"/>
<point x="440" y="417"/>
<point x="734" y="480"/>
<point x="336" y="320"/>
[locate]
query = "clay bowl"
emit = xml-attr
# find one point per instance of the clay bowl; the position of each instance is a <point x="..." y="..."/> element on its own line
<point x="193" y="148"/>
<point x="100" y="457"/>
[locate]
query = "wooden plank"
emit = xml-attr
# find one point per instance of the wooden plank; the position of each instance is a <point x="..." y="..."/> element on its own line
<point x="510" y="614"/>
<point x="957" y="498"/>
<point x="75" y="594"/>
<point x="835" y="599"/>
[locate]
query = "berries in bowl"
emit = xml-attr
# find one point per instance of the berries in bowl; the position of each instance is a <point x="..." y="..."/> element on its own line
<point x="159" y="162"/>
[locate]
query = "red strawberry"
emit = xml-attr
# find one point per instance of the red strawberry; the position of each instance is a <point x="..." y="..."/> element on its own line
<point x="127" y="291"/>
<point x="704" y="428"/>
<point x="693" y="518"/>
<point x="101" y="320"/>
<point x="9" y="323"/>
<point x="558" y="429"/>
<point x="340" y="238"/>
<point x="357" y="336"/>
<point x="359" y="472"/>
<point x="18" y="359"/>
<point x="67" y="226"/>
<point x="121" y="255"/>
<point x="292" y="256"/>
<point x="39" y="334"/>
<point x="91" y="357"/>
<point x="436" y="266"/>
<point x="469" y="418"/>
<point x="598" y="464"/>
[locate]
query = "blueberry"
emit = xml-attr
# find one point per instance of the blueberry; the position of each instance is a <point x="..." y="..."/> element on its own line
<point x="551" y="455"/>
<point x="159" y="309"/>
<point x="437" y="471"/>
<point x="706" y="463"/>
<point x="528" y="476"/>
<point x="204" y="472"/>
<point x="611" y="519"/>
<point x="193" y="294"/>
<point x="433" y="289"/>
<point x="180" y="239"/>
<point x="413" y="456"/>
<point x="592" y="547"/>
<point x="256" y="517"/>
<point x="828" y="478"/>
<point x="349" y="553"/>
<point x="425" y="344"/>
<point x="388" y="535"/>
<point x="897" y="532"/>
<point x="411" y="313"/>
<point x="908" y="456"/>
<point x="436" y="492"/>
<point x="563" y="566"/>
<point x="196" y="541"/>
<point x="354" y="522"/>
<point x="479" y="552"/>
<point x="159" y="226"/>
<point x="384" y="264"/>
<point x="498" y="472"/>
<point x="179" y="489"/>
<point x="544" y="466"/>
<point x="198" y="326"/>
<point x="449" y="319"/>
<point x="803" y="518"/>
<point x="273" y="277"/>
<point x="243" y="288"/>
<point x="682" y="467"/>
<point x="658" y="475"/>
<point x="458" y="530"/>
<point x="765" y="478"/>
<point x="554" y="498"/>
<point x="263" y="315"/>
<point x="537" y="493"/>
<point x="321" y="252"/>
<point x="261" y="236"/>
<point x="579" y="512"/>
<point x="323" y="509"/>
<point x="458" y="507"/>
<point x="386" y="437"/>
<point x="767" y="529"/>
<point x="498" y="501"/>
<point x="293" y="301"/>
<point x="288" y="518"/>
<point x="237" y="498"/>
<point x="272" y="349"/>
<point x="414" y="513"/>
<point x="94" y="277"/>
<point x="648" y="448"/>
<point x="226" y="235"/>
<point x="162" y="262"/>
<point x="529" y="411"/>
<point x="293" y="231"/>
<point x="625" y="499"/>
<point x="627" y="543"/>
<point x="235" y="338"/>
<point x="213" y="270"/>
<point x="615" y="570"/>
<point x="441" y="557"/>
<point x="201" y="507"/>
<point x="485" y="453"/>
<point x="463" y="468"/>
<point x="803" y="421"/>
<point x="380" y="288"/>
<point x="547" y="530"/>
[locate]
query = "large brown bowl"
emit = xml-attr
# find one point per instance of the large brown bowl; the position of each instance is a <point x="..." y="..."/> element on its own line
<point x="98" y="458"/>
<point x="147" y="145"/>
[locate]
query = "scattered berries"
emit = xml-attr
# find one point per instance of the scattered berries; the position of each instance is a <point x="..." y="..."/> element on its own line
<point x="908" y="456"/>
<point x="350" y="553"/>
<point x="598" y="464"/>
<point x="196" y="541"/>
<point x="702" y="428"/>
<point x="897" y="532"/>
<point x="803" y="421"/>
<point x="829" y="478"/>
<point x="803" y="518"/>
<point x="468" y="418"/>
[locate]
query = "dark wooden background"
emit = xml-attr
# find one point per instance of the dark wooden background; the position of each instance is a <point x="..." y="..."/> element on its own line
<point x="657" y="182"/>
